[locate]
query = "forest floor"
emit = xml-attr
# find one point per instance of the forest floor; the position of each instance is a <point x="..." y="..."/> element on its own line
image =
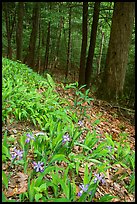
<point x="104" y="119"/>
<point x="108" y="119"/>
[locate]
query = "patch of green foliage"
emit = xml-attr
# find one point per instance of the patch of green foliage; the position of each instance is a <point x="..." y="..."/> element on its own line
<point x="25" y="95"/>
<point x="22" y="99"/>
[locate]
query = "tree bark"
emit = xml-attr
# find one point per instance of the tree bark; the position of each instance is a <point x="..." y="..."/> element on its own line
<point x="117" y="56"/>
<point x="47" y="45"/>
<point x="19" y="31"/>
<point x="89" y="63"/>
<point x="58" y="39"/>
<point x="100" y="54"/>
<point x="33" y="37"/>
<point x="38" y="64"/>
<point x="84" y="45"/>
<point x="47" y="48"/>
<point x="10" y="23"/>
<point x="69" y="42"/>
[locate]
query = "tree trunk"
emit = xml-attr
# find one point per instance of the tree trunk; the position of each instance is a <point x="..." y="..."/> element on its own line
<point x="58" y="40"/>
<point x="9" y="25"/>
<point x="33" y="37"/>
<point x="84" y="45"/>
<point x="39" y="50"/>
<point x="89" y="63"/>
<point x="19" y="30"/>
<point x="69" y="42"/>
<point x="117" y="55"/>
<point x="100" y="54"/>
<point x="47" y="48"/>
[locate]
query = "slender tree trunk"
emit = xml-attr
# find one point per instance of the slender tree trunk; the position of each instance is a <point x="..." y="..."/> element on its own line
<point x="39" y="51"/>
<point x="117" y="56"/>
<point x="47" y="48"/>
<point x="19" y="30"/>
<point x="38" y="63"/>
<point x="89" y="63"/>
<point x="9" y="26"/>
<point x="33" y="37"/>
<point x="69" y="42"/>
<point x="100" y="54"/>
<point x="84" y="45"/>
<point x="59" y="37"/>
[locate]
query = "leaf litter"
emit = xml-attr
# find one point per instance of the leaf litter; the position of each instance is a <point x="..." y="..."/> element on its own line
<point x="103" y="121"/>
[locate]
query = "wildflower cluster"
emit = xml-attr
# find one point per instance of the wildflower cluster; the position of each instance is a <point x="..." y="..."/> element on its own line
<point x="109" y="148"/>
<point x="29" y="137"/>
<point x="39" y="167"/>
<point x="80" y="123"/>
<point x="66" y="138"/>
<point x="99" y="178"/>
<point x="83" y="189"/>
<point x="17" y="154"/>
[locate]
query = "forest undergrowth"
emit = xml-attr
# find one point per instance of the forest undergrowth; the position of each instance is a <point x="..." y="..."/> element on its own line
<point x="58" y="145"/>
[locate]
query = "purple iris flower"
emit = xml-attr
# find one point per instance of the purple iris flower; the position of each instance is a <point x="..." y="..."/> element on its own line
<point x="83" y="189"/>
<point x="109" y="148"/>
<point x="80" y="123"/>
<point x="99" y="178"/>
<point x="39" y="167"/>
<point x="66" y="138"/>
<point x="17" y="153"/>
<point x="29" y="137"/>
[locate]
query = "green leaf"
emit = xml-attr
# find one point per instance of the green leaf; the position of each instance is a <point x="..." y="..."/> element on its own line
<point x="106" y="198"/>
<point x="5" y="151"/>
<point x="50" y="80"/>
<point x="4" y="158"/>
<point x="31" y="191"/>
<point x="54" y="186"/>
<point x="4" y="179"/>
<point x="38" y="196"/>
<point x="49" y="169"/>
<point x="39" y="180"/>
<point x="83" y="197"/>
<point x="57" y="200"/>
<point x="86" y="176"/>
<point x="59" y="157"/>
<point x="65" y="176"/>
<point x="95" y="161"/>
<point x="77" y="167"/>
<point x="82" y="86"/>
<point x="4" y="199"/>
<point x="82" y="145"/>
<point x="65" y="188"/>
<point x="43" y="187"/>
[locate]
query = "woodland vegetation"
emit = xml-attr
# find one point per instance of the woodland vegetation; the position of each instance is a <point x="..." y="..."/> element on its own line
<point x="68" y="100"/>
<point x="95" y="48"/>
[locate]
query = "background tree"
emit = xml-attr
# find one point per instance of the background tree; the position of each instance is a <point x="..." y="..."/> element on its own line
<point x="84" y="45"/>
<point x="10" y="19"/>
<point x="33" y="37"/>
<point x="69" y="43"/>
<point x="100" y="54"/>
<point x="89" y="62"/>
<point x="117" y="56"/>
<point x="19" y="30"/>
<point x="38" y="64"/>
